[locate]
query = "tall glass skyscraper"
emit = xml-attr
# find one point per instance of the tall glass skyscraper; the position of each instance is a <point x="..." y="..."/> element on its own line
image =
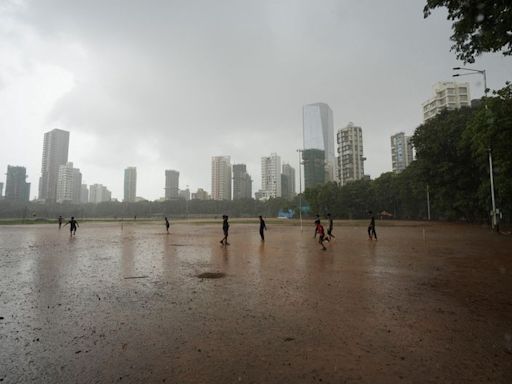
<point x="55" y="154"/>
<point x="318" y="135"/>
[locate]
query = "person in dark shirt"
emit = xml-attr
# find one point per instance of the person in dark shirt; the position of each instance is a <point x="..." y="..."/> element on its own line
<point x="263" y="228"/>
<point x="330" y="227"/>
<point x="73" y="225"/>
<point x="225" y="229"/>
<point x="61" y="219"/>
<point x="371" y="227"/>
<point x="167" y="224"/>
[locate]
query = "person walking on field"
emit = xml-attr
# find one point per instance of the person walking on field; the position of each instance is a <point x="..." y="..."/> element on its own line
<point x="225" y="229"/>
<point x="317" y="221"/>
<point x="330" y="227"/>
<point x="263" y="228"/>
<point x="371" y="227"/>
<point x="73" y="225"/>
<point x="61" y="219"/>
<point x="167" y="224"/>
<point x="321" y="235"/>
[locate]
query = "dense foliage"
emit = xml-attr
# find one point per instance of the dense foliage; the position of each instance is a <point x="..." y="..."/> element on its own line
<point x="478" y="26"/>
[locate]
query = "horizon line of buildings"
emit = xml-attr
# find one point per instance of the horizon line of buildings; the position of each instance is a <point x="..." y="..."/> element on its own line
<point x="60" y="182"/>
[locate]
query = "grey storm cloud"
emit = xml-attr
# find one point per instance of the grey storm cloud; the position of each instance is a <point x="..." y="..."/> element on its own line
<point x="168" y="84"/>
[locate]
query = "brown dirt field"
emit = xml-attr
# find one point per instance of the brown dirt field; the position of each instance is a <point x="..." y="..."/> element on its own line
<point x="126" y="305"/>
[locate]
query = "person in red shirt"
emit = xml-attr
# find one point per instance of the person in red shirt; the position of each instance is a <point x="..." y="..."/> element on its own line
<point x="321" y="235"/>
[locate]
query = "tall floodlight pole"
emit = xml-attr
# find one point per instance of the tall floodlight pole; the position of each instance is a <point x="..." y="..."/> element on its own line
<point x="494" y="217"/>
<point x="428" y="204"/>
<point x="471" y="71"/>
<point x="300" y="188"/>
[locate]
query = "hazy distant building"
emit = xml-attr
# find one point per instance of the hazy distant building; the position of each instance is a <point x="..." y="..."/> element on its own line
<point x="350" y="154"/>
<point x="201" y="194"/>
<point x="1" y="191"/>
<point x="16" y="186"/>
<point x="130" y="184"/>
<point x="401" y="152"/>
<point x="288" y="181"/>
<point x="221" y="178"/>
<point x="69" y="184"/>
<point x="184" y="194"/>
<point x="55" y="154"/>
<point x="318" y="134"/>
<point x="172" y="184"/>
<point x="448" y="95"/>
<point x="270" y="177"/>
<point x="84" y="194"/>
<point x="242" y="182"/>
<point x="99" y="193"/>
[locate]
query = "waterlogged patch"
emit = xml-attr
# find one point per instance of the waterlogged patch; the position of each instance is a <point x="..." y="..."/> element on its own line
<point x="211" y="275"/>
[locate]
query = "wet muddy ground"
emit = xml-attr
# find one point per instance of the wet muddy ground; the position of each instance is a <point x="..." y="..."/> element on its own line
<point x="131" y="305"/>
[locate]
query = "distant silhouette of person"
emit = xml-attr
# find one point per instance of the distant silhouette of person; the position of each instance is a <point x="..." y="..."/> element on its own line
<point x="371" y="227"/>
<point x="61" y="219"/>
<point x="73" y="225"/>
<point x="321" y="235"/>
<point x="263" y="228"/>
<point x="167" y="224"/>
<point x="330" y="227"/>
<point x="317" y="221"/>
<point x="225" y="229"/>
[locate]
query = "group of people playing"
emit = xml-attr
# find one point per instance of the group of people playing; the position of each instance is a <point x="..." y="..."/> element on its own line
<point x="225" y="229"/>
<point x="73" y="225"/>
<point x="322" y="237"/>
<point x="319" y="228"/>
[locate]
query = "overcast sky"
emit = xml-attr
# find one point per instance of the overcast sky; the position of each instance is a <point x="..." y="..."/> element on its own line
<point x="169" y="84"/>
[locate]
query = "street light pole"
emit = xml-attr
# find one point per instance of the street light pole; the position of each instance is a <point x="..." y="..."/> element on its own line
<point x="494" y="217"/>
<point x="472" y="72"/>
<point x="300" y="188"/>
<point x="186" y="201"/>
<point x="428" y="203"/>
<point x="494" y="224"/>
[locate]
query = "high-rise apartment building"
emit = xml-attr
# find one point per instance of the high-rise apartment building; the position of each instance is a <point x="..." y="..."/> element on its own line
<point x="221" y="178"/>
<point x="130" y="184"/>
<point x="184" y="194"/>
<point x="448" y="95"/>
<point x="401" y="152"/>
<point x="288" y="181"/>
<point x="172" y="184"/>
<point x="318" y="154"/>
<point x="16" y="186"/>
<point x="84" y="194"/>
<point x="55" y="154"/>
<point x="242" y="182"/>
<point x="350" y="154"/>
<point x="270" y="177"/>
<point x="99" y="193"/>
<point x="201" y="194"/>
<point x="69" y="184"/>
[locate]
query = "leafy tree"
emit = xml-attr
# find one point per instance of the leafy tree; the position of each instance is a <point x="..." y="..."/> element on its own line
<point x="491" y="129"/>
<point x="478" y="26"/>
<point x="446" y="163"/>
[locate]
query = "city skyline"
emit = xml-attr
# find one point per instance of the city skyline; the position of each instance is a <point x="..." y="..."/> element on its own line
<point x="58" y="72"/>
